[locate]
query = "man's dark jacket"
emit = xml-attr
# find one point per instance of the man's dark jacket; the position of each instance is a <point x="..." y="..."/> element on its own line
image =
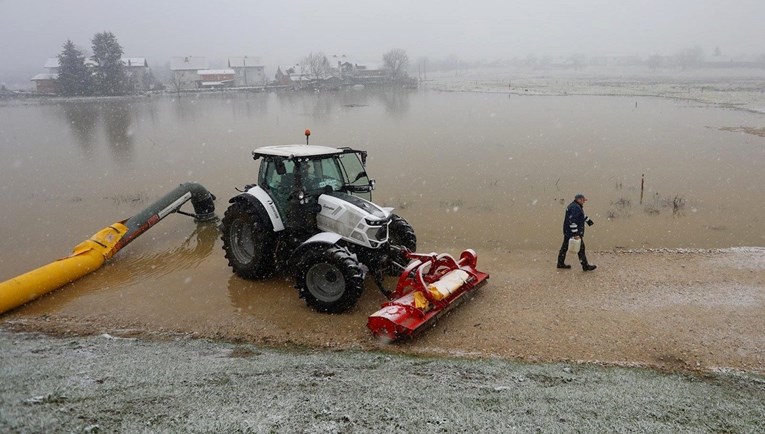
<point x="573" y="223"/>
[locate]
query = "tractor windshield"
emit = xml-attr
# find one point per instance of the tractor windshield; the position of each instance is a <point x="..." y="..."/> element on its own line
<point x="322" y="173"/>
<point x="343" y="172"/>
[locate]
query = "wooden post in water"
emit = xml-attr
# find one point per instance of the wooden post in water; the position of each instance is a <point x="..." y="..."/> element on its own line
<point x="642" y="184"/>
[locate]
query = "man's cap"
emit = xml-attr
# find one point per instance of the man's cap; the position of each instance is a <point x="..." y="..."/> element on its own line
<point x="579" y="196"/>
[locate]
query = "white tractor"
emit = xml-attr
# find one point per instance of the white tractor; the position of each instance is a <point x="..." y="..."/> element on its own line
<point x="310" y="215"/>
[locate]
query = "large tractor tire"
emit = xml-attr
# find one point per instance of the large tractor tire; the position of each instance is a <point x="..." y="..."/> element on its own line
<point x="330" y="279"/>
<point x="400" y="234"/>
<point x="249" y="242"/>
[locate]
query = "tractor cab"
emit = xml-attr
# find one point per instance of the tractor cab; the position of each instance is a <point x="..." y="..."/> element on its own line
<point x="296" y="175"/>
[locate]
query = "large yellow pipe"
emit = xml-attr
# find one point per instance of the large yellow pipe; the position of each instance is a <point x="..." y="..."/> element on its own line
<point x="86" y="257"/>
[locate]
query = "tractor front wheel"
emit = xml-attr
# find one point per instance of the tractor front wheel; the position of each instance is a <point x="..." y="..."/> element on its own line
<point x="400" y="234"/>
<point x="330" y="280"/>
<point x="249" y="242"/>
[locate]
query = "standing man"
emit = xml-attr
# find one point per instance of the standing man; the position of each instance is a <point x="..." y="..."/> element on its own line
<point x="573" y="227"/>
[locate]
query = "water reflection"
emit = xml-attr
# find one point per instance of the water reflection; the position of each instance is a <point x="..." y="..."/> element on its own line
<point x="186" y="108"/>
<point x="84" y="118"/>
<point x="153" y="265"/>
<point x="118" y="119"/>
<point x="396" y="101"/>
<point x="327" y="104"/>
<point x="318" y="106"/>
<point x="193" y="108"/>
<point x="248" y="105"/>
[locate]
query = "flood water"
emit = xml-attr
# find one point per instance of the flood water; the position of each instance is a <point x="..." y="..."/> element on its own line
<point x="485" y="171"/>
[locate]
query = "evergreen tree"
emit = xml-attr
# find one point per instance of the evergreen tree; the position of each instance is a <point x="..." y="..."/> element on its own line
<point x="73" y="76"/>
<point x="110" y="77"/>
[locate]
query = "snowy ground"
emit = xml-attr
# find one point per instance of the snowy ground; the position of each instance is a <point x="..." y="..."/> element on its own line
<point x="108" y="384"/>
<point x="736" y="88"/>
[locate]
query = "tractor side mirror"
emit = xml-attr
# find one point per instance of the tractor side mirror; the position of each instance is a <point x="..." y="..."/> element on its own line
<point x="280" y="169"/>
<point x="363" y="158"/>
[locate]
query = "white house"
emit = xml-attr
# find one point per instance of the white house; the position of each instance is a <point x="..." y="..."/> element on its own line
<point x="45" y="82"/>
<point x="137" y="72"/>
<point x="248" y="71"/>
<point x="185" y="71"/>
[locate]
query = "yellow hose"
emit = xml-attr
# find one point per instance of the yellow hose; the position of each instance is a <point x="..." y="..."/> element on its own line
<point x="86" y="257"/>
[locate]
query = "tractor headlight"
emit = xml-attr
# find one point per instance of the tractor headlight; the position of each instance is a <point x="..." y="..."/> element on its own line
<point x="372" y="221"/>
<point x="379" y="233"/>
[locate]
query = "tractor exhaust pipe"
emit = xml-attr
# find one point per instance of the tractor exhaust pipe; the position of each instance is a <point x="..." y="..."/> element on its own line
<point x="91" y="254"/>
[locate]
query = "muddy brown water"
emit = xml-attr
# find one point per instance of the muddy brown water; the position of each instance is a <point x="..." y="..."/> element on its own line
<point x="489" y="172"/>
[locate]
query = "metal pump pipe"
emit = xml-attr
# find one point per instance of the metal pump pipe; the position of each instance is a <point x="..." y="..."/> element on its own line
<point x="91" y="254"/>
<point x="201" y="200"/>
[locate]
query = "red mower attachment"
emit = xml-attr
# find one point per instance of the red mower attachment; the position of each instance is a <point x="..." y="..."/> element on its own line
<point x="429" y="286"/>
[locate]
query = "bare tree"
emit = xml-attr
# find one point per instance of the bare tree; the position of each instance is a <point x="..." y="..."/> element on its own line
<point x="316" y="65"/>
<point x="176" y="81"/>
<point x="395" y="62"/>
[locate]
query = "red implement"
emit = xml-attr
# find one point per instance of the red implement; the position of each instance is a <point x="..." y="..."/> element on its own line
<point x="429" y="286"/>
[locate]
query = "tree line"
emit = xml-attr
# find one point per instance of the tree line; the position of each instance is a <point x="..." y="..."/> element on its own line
<point x="395" y="63"/>
<point x="104" y="75"/>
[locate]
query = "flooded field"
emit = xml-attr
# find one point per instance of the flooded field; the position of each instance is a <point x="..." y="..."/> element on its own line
<point x="487" y="171"/>
<point x="483" y="170"/>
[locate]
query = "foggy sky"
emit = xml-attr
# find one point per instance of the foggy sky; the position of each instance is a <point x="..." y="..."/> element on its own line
<point x="281" y="32"/>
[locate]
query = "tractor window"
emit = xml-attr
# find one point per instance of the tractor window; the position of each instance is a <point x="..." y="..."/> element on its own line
<point x="274" y="180"/>
<point x="356" y="175"/>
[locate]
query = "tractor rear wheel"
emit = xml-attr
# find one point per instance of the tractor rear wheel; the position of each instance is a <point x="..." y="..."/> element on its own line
<point x="330" y="280"/>
<point x="400" y="234"/>
<point x="249" y="242"/>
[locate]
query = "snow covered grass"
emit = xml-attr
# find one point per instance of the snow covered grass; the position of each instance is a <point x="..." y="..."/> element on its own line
<point x="102" y="384"/>
<point x="736" y="88"/>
